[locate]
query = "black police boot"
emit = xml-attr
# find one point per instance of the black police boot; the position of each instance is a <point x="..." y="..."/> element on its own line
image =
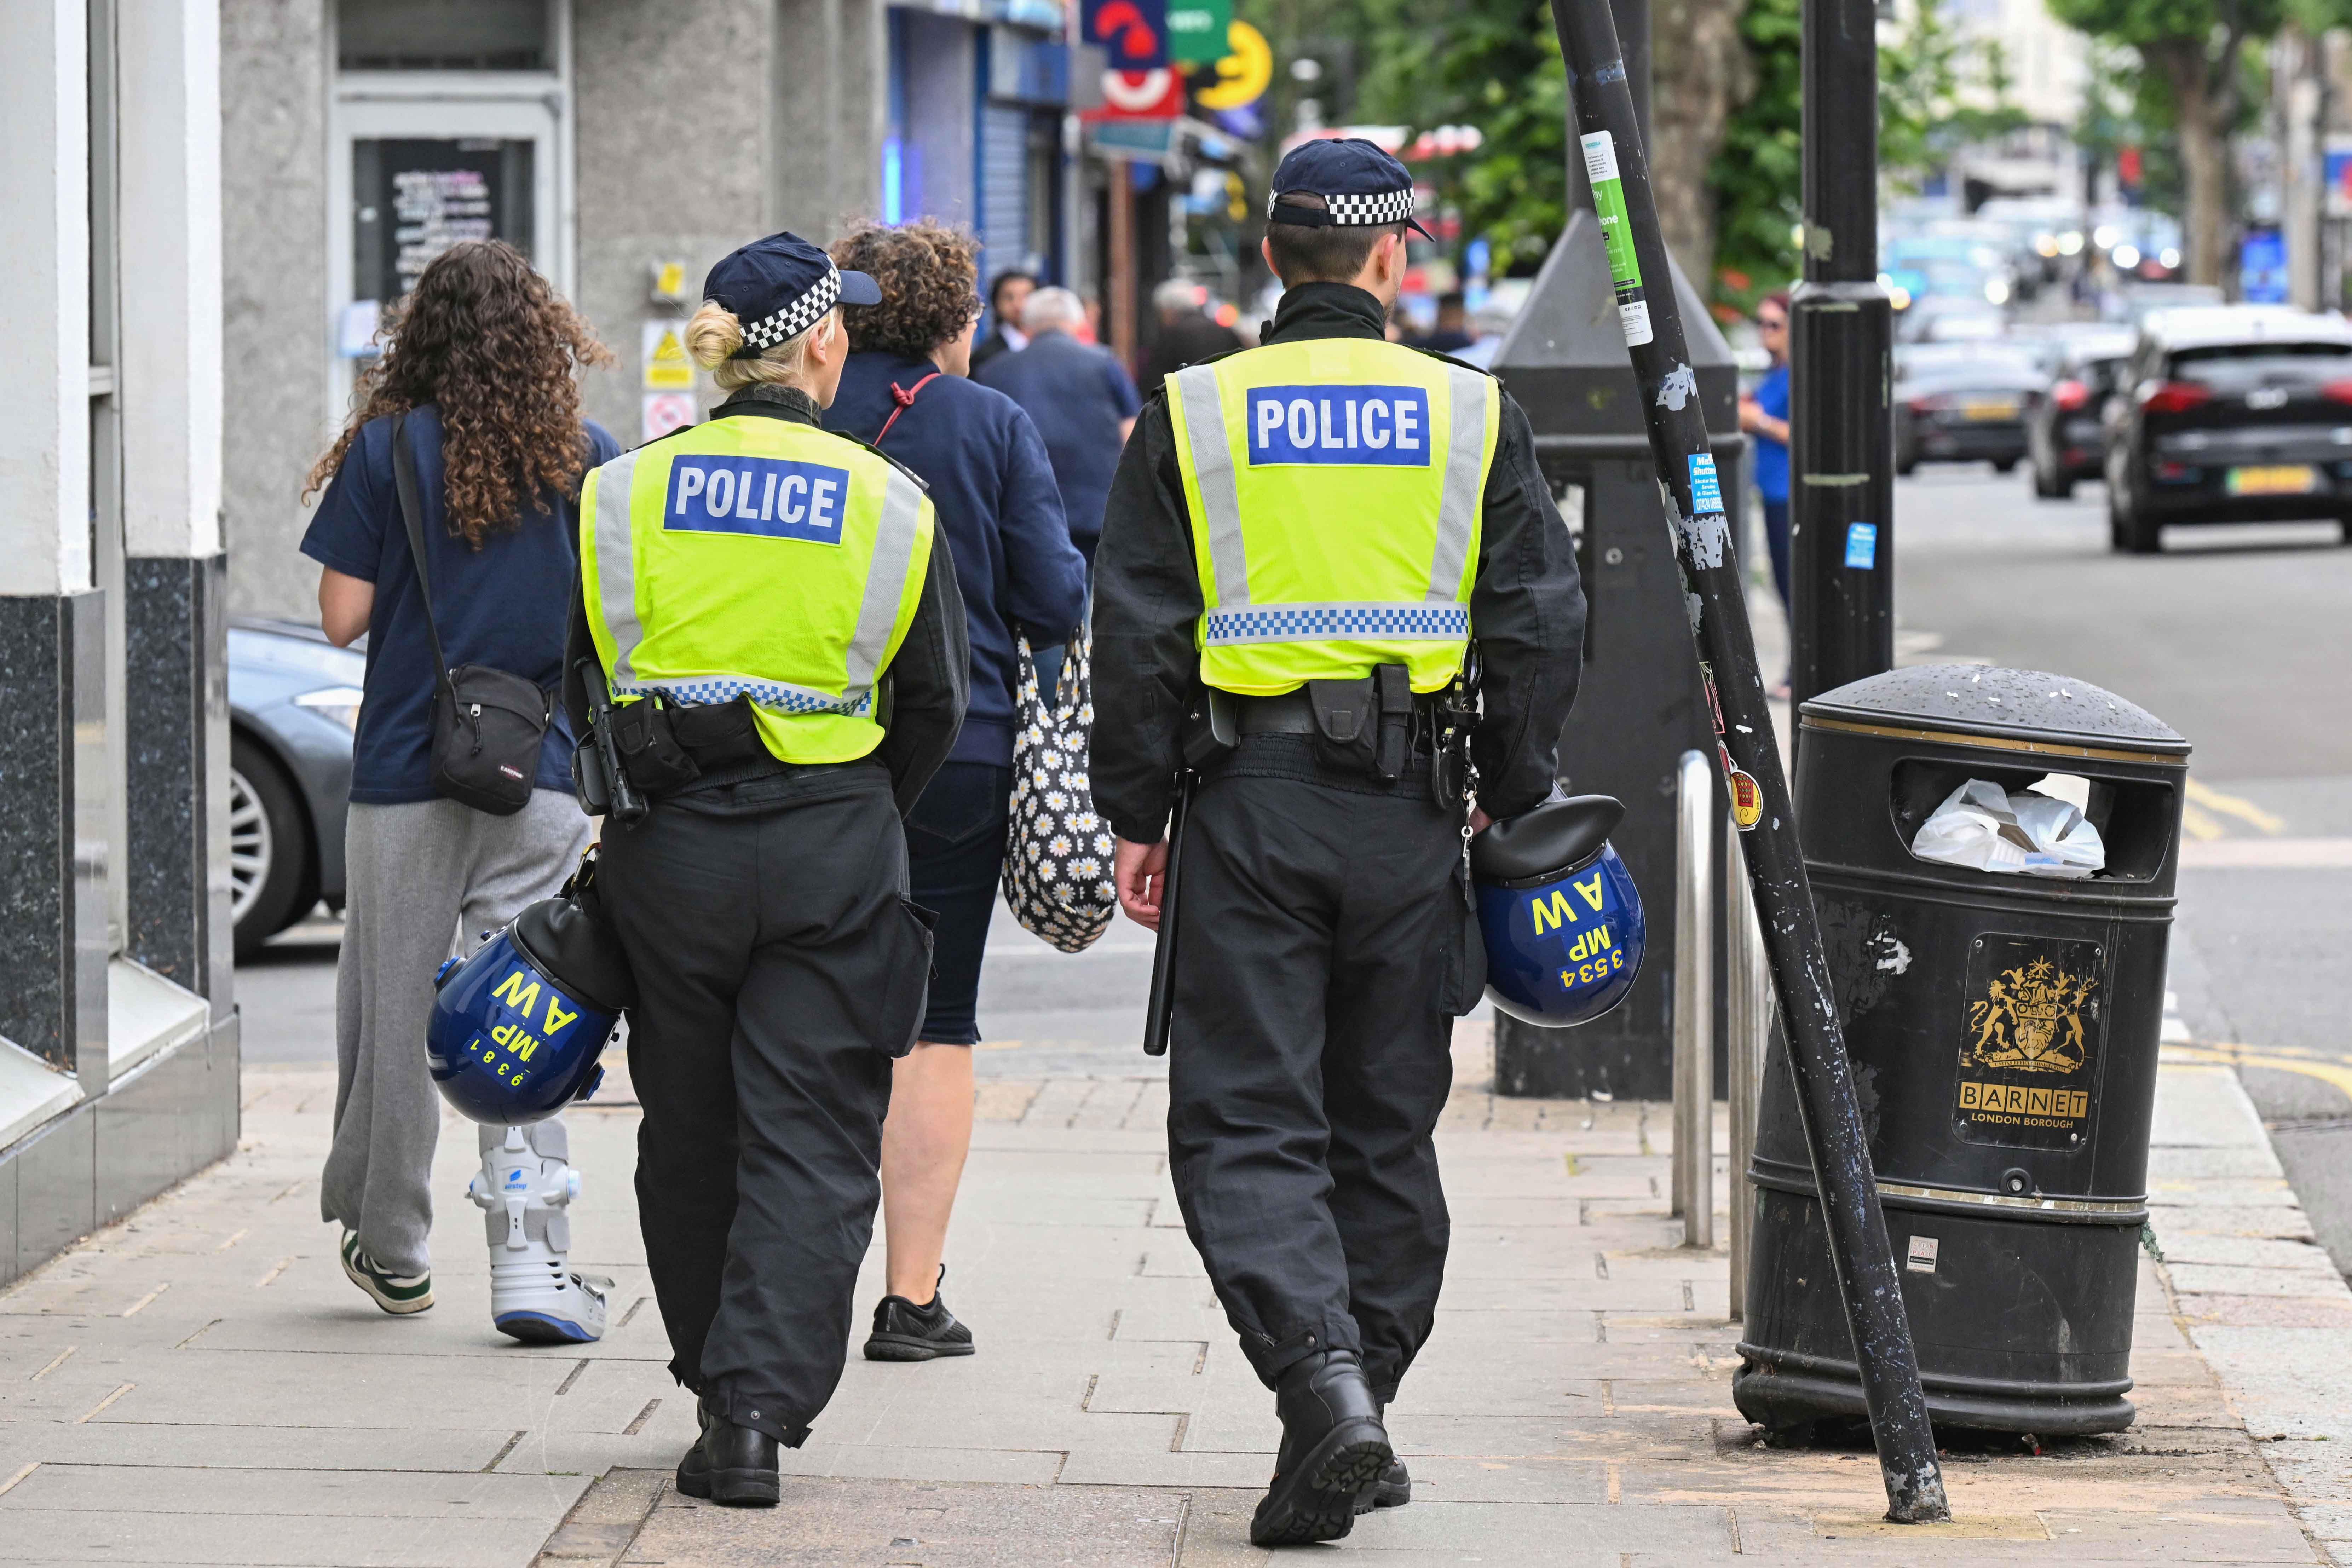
<point x="1394" y="1489"/>
<point x="1333" y="1448"/>
<point x="904" y="1332"/>
<point x="730" y="1464"/>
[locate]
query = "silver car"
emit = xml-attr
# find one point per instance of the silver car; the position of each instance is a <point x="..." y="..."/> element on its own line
<point x="294" y="706"/>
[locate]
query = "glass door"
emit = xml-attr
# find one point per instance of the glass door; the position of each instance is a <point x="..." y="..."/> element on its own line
<point x="417" y="178"/>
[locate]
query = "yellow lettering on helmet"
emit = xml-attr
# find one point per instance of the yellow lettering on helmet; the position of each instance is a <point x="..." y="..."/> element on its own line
<point x="504" y="1034"/>
<point x="522" y="999"/>
<point x="1558" y="912"/>
<point x="557" y="1020"/>
<point x="1592" y="891"/>
<point x="1601" y="938"/>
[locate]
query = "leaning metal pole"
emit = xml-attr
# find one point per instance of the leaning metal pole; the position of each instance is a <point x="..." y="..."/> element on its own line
<point x="1841" y="327"/>
<point x="1858" y="1246"/>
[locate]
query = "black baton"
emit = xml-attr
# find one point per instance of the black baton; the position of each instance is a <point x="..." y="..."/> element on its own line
<point x="1158" y="1016"/>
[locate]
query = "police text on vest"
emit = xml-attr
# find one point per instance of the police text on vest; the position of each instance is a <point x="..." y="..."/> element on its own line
<point x="1353" y="425"/>
<point x="775" y="498"/>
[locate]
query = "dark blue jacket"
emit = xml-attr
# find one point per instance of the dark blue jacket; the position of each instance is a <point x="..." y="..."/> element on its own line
<point x="1001" y="510"/>
<point x="1077" y="395"/>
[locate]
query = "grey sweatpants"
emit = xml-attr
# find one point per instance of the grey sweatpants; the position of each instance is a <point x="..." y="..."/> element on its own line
<point x="424" y="881"/>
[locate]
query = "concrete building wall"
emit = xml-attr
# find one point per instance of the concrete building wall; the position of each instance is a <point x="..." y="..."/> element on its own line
<point x="672" y="107"/>
<point x="274" y="293"/>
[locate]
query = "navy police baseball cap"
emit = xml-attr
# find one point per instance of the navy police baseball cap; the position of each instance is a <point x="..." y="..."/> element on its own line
<point x="1361" y="186"/>
<point x="781" y="286"/>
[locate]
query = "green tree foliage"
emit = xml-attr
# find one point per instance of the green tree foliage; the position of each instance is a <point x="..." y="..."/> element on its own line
<point x="1757" y="175"/>
<point x="1494" y="64"/>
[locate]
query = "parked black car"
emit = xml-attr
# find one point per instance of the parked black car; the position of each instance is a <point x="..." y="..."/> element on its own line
<point x="2235" y="414"/>
<point x="293" y="703"/>
<point x="2063" y="433"/>
<point x="1963" y="403"/>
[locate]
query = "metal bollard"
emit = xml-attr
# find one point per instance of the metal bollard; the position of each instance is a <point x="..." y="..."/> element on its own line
<point x="1751" y="1021"/>
<point x="1694" y="1176"/>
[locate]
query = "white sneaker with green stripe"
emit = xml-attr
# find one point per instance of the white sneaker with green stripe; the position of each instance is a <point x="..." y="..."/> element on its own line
<point x="397" y="1293"/>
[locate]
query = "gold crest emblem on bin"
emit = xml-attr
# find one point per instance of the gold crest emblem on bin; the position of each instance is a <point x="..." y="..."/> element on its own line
<point x="2030" y="1020"/>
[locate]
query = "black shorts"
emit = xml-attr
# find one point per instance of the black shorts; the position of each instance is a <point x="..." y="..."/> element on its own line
<point x="955" y="856"/>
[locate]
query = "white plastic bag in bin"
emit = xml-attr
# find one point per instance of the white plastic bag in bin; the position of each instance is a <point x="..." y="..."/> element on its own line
<point x="1986" y="828"/>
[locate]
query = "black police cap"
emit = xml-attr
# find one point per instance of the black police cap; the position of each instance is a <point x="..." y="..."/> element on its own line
<point x="780" y="286"/>
<point x="1361" y="186"/>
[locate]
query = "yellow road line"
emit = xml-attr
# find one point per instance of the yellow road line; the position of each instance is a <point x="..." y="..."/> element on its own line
<point x="2245" y="811"/>
<point x="2335" y="1073"/>
<point x="10" y="1484"/>
<point x="133" y="1308"/>
<point x="2199" y="825"/>
<point x="110" y="1399"/>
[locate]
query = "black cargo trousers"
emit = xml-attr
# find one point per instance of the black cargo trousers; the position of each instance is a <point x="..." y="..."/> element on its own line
<point x="1324" y="948"/>
<point x="779" y="970"/>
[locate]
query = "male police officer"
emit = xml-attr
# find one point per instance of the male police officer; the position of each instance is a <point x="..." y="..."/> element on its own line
<point x="1320" y="527"/>
<point x="787" y="650"/>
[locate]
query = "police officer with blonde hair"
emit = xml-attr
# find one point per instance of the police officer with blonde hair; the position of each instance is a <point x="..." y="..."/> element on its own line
<point x="1304" y="544"/>
<point x="783" y="650"/>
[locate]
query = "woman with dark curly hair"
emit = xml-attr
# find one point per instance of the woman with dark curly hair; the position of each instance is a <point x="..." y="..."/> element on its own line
<point x="478" y="372"/>
<point x="907" y="390"/>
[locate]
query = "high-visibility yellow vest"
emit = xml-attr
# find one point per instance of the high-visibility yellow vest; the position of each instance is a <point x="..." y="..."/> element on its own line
<point x="1334" y="488"/>
<point x="761" y="557"/>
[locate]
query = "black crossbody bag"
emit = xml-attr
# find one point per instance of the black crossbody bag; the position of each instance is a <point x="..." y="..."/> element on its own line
<point x="488" y="724"/>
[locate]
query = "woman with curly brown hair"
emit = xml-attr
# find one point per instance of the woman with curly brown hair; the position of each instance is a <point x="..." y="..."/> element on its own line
<point x="906" y="390"/>
<point x="478" y="376"/>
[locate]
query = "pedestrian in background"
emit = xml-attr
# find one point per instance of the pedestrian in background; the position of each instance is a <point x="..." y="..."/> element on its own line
<point x="1186" y="334"/>
<point x="1081" y="400"/>
<point x="479" y="366"/>
<point x="1006" y="295"/>
<point x="1452" y="333"/>
<point x="1764" y="414"/>
<point x="906" y="390"/>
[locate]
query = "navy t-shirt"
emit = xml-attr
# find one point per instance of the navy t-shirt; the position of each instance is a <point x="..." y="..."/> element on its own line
<point x="505" y="605"/>
<point x="1077" y="394"/>
<point x="1002" y="513"/>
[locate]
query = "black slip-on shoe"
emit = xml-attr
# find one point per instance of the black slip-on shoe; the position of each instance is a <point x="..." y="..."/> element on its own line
<point x="1333" y="1448"/>
<point x="1392" y="1490"/>
<point x="732" y="1466"/>
<point x="904" y="1332"/>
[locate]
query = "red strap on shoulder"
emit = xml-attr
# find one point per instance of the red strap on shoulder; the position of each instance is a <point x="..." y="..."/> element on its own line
<point x="904" y="397"/>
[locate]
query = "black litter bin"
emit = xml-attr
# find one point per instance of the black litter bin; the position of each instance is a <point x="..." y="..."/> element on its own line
<point x="2003" y="1033"/>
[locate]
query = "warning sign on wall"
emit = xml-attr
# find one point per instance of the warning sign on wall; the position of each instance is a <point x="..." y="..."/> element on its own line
<point x="666" y="367"/>
<point x="665" y="412"/>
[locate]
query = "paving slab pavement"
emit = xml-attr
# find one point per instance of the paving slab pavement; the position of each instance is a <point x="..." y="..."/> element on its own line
<point x="199" y="1385"/>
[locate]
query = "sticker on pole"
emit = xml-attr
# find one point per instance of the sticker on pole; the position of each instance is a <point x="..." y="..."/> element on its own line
<point x="1746" y="796"/>
<point x="1706" y="493"/>
<point x="1617" y="236"/>
<point x="1862" y="545"/>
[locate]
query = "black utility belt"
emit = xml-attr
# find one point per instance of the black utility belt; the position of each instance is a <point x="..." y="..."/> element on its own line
<point x="665" y="747"/>
<point x="1373" y="725"/>
<point x="1293" y="712"/>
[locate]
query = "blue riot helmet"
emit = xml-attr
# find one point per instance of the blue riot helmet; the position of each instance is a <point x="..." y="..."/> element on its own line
<point x="1559" y="912"/>
<point x="519" y="1028"/>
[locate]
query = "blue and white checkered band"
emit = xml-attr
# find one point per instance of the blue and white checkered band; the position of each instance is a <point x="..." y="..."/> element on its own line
<point x="1379" y="209"/>
<point x="1302" y="621"/>
<point x="762" y="693"/>
<point x="794" y="319"/>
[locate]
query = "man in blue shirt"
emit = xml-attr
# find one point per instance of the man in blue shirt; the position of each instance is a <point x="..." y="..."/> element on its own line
<point x="1080" y="398"/>
<point x="1764" y="414"/>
